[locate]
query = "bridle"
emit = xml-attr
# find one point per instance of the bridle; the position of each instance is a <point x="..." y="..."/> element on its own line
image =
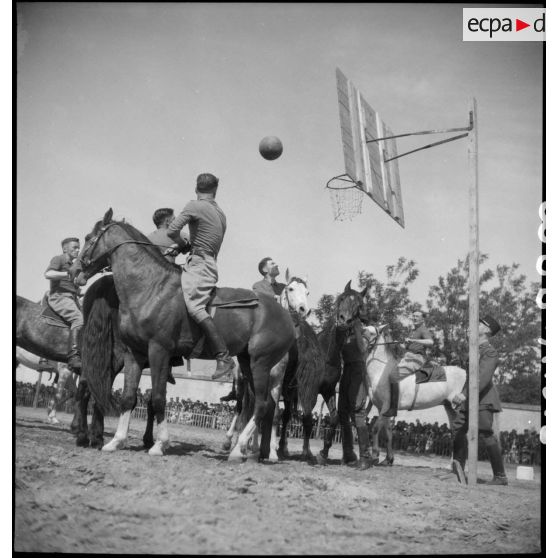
<point x="285" y="294"/>
<point x="86" y="261"/>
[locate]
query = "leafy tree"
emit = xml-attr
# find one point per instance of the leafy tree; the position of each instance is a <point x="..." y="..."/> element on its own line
<point x="387" y="302"/>
<point x="325" y="312"/>
<point x="510" y="301"/>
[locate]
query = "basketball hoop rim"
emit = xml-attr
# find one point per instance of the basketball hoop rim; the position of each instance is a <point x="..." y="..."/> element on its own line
<point x="342" y="178"/>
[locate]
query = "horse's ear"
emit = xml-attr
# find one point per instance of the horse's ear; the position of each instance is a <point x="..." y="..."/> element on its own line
<point x="108" y="217"/>
<point x="364" y="291"/>
<point x="287" y="276"/>
<point x="348" y="287"/>
<point x="381" y="328"/>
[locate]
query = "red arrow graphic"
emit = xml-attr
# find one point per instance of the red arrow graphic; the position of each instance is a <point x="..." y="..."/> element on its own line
<point x="519" y="25"/>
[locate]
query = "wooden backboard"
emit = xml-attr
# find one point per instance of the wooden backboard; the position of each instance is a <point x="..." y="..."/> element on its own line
<point x="365" y="159"/>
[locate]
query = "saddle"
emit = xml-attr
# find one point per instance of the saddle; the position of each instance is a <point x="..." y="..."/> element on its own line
<point x="225" y="297"/>
<point x="49" y="314"/>
<point x="430" y="372"/>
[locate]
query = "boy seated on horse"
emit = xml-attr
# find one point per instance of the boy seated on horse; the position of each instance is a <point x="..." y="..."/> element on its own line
<point x="413" y="360"/>
<point x="63" y="296"/>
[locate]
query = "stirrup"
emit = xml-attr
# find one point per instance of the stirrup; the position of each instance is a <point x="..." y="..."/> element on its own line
<point x="225" y="364"/>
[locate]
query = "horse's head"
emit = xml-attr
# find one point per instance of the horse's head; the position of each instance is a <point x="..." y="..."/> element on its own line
<point x="294" y="297"/>
<point x="95" y="254"/>
<point x="350" y="304"/>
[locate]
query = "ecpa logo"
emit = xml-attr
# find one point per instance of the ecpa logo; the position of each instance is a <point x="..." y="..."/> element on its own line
<point x="503" y="24"/>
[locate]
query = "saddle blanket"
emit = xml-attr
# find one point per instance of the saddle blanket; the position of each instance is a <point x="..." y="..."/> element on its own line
<point x="430" y="372"/>
<point x="227" y="297"/>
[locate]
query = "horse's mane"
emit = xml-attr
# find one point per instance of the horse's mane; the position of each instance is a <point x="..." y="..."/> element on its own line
<point x="150" y="249"/>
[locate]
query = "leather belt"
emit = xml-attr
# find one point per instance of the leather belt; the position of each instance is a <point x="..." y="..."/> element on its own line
<point x="200" y="252"/>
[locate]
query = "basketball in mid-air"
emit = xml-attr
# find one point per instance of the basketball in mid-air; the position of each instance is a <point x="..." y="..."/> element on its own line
<point x="271" y="148"/>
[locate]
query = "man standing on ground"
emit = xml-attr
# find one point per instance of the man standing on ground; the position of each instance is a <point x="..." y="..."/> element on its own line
<point x="489" y="403"/>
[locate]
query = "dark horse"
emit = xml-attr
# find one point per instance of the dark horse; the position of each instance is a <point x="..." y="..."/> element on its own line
<point x="304" y="376"/>
<point x="348" y="306"/>
<point x="155" y="326"/>
<point x="36" y="335"/>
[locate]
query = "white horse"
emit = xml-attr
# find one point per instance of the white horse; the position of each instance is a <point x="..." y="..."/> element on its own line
<point x="63" y="380"/>
<point x="380" y="361"/>
<point x="294" y="298"/>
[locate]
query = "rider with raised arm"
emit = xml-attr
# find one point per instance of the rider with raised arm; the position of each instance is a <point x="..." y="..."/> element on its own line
<point x="63" y="296"/>
<point x="207" y="224"/>
<point x="413" y="360"/>
<point x="162" y="218"/>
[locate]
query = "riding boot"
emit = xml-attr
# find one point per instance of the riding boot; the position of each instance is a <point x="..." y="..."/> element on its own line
<point x="393" y="400"/>
<point x="349" y="456"/>
<point x="74" y="359"/>
<point x="225" y="363"/>
<point x="231" y="396"/>
<point x="365" y="460"/>
<point x="460" y="456"/>
<point x="496" y="461"/>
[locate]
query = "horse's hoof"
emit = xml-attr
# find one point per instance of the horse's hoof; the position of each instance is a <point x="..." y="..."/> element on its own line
<point x="114" y="445"/>
<point x="320" y="459"/>
<point x="273" y="458"/>
<point x="158" y="448"/>
<point x="54" y="420"/>
<point x="97" y="443"/>
<point x="309" y="458"/>
<point x="253" y="457"/>
<point x="148" y="443"/>
<point x="375" y="461"/>
<point x="82" y="441"/>
<point x="283" y="453"/>
<point x="387" y="462"/>
<point x="226" y="445"/>
<point x="236" y="457"/>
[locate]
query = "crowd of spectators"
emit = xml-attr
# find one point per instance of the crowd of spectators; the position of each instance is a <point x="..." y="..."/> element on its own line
<point x="25" y="392"/>
<point x="412" y="437"/>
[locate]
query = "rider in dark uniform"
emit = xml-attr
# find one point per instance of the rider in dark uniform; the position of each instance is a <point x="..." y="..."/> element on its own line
<point x="489" y="403"/>
<point x="352" y="396"/>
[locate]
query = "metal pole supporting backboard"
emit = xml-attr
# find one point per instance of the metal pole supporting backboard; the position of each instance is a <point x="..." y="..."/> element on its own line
<point x="472" y="434"/>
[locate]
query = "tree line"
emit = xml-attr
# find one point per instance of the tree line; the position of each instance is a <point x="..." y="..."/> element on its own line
<point x="505" y="294"/>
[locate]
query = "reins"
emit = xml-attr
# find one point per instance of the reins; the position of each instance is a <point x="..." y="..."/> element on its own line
<point x="108" y="252"/>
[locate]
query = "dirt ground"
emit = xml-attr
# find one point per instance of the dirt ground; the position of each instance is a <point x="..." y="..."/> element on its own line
<point x="192" y="501"/>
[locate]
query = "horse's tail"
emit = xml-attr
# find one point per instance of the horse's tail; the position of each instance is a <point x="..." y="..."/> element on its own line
<point x="98" y="341"/>
<point x="310" y="369"/>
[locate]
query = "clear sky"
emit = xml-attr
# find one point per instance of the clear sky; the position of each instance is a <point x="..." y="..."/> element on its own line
<point x="122" y="105"/>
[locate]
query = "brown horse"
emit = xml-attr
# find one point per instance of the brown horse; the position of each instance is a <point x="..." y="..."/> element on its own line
<point x="36" y="335"/>
<point x="64" y="383"/>
<point x="155" y="326"/>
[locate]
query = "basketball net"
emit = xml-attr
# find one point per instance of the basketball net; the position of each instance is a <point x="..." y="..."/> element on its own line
<point x="346" y="201"/>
